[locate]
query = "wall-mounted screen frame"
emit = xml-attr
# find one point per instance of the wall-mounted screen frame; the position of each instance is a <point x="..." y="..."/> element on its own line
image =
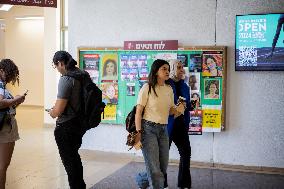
<point x="259" y="42"/>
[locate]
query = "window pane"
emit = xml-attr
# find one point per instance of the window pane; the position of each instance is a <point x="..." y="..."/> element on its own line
<point x="66" y="12"/>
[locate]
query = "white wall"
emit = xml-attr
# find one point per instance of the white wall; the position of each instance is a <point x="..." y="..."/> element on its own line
<point x="24" y="45"/>
<point x="51" y="44"/>
<point x="2" y="37"/>
<point x="254" y="134"/>
<point x="255" y="100"/>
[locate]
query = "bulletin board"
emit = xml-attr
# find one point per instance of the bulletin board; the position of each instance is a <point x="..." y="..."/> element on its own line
<point x="121" y="73"/>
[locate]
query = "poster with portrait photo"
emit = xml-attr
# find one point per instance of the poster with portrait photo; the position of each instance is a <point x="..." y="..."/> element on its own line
<point x="195" y="62"/>
<point x="195" y="100"/>
<point x="133" y="67"/>
<point x="124" y="61"/>
<point x="212" y="91"/>
<point x="130" y="91"/>
<point x="142" y="60"/>
<point x="124" y="67"/>
<point x="195" y="124"/>
<point x="186" y="75"/>
<point x="110" y="93"/>
<point x="184" y="59"/>
<point x="194" y="81"/>
<point x="109" y="68"/>
<point x="133" y="61"/>
<point x="212" y="64"/>
<point x="91" y="65"/>
<point x="142" y="67"/>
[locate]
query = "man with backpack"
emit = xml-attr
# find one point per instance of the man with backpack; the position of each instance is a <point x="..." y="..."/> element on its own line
<point x="78" y="104"/>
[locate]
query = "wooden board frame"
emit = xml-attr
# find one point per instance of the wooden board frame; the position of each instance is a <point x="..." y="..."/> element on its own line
<point x="181" y="48"/>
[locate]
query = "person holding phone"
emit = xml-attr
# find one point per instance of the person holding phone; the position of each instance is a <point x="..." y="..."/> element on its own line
<point x="25" y="94"/>
<point x="69" y="130"/>
<point x="9" y="73"/>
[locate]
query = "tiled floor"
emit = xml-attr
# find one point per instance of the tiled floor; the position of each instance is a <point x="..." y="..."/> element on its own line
<point x="36" y="163"/>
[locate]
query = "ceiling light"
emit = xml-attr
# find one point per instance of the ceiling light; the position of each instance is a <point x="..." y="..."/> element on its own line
<point x="29" y="18"/>
<point x="6" y="7"/>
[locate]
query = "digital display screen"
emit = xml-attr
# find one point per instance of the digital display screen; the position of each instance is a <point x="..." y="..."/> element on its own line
<point x="259" y="42"/>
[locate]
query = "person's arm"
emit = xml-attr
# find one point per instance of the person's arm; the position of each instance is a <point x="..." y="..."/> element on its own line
<point x="58" y="108"/>
<point x="178" y="109"/>
<point x="172" y="110"/>
<point x="65" y="87"/>
<point x="4" y="103"/>
<point x="138" y="117"/>
<point x="142" y="100"/>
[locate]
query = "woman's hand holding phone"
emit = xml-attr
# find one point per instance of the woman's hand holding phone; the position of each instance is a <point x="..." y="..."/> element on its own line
<point x="25" y="94"/>
<point x="180" y="107"/>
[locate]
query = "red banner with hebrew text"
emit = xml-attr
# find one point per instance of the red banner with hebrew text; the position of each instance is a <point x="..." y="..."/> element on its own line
<point x="39" y="3"/>
<point x="151" y="45"/>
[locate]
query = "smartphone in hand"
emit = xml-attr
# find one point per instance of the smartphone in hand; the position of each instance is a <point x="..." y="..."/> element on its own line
<point x="25" y="94"/>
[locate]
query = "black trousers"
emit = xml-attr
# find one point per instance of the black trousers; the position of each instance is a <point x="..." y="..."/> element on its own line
<point x="68" y="136"/>
<point x="180" y="137"/>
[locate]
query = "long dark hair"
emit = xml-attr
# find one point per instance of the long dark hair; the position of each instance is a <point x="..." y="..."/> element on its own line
<point x="11" y="71"/>
<point x="152" y="79"/>
<point x="66" y="58"/>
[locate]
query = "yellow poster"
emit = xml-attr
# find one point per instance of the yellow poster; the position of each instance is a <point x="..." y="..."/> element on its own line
<point x="110" y="112"/>
<point x="109" y="68"/>
<point x="211" y="120"/>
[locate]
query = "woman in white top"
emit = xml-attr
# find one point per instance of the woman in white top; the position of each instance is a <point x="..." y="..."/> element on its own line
<point x="157" y="100"/>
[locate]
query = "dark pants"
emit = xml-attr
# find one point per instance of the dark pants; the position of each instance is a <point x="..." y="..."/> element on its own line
<point x="68" y="136"/>
<point x="180" y="137"/>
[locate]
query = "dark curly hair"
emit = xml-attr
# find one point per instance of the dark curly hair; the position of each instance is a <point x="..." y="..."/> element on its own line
<point x="11" y="71"/>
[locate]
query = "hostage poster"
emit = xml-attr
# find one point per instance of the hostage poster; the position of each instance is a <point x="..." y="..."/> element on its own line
<point x="195" y="124"/>
<point x="91" y="65"/>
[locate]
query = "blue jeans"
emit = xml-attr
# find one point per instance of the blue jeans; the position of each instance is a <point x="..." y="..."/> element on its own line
<point x="155" y="150"/>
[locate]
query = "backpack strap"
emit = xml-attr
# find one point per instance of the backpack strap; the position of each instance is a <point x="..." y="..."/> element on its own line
<point x="146" y="103"/>
<point x="75" y="77"/>
<point x="72" y="108"/>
